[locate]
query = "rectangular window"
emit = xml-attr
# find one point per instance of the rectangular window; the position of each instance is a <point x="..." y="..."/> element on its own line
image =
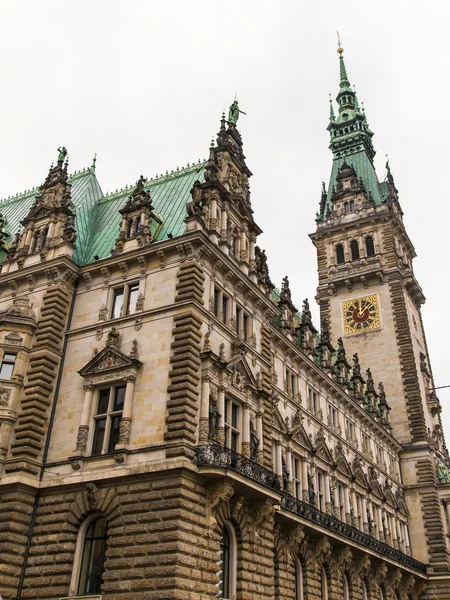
<point x="340" y="508"/>
<point x="365" y="441"/>
<point x="216" y="302"/>
<point x="238" y="322"/>
<point x="225" y="302"/>
<point x="125" y="300"/>
<point x="246" y="327"/>
<point x="232" y="424"/>
<point x="358" y="516"/>
<point x="7" y="366"/>
<point x="332" y="416"/>
<point x="350" y="431"/>
<point x="296" y="477"/>
<point x="320" y="491"/>
<point x="107" y="420"/>
<point x="313" y="400"/>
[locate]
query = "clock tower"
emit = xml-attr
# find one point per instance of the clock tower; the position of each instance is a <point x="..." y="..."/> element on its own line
<point x="368" y="296"/>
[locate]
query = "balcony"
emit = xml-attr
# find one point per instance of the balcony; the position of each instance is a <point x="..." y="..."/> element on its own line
<point x="216" y="456"/>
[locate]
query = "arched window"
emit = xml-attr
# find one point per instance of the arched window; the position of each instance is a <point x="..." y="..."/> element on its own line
<point x="352" y="205"/>
<point x="346" y="208"/>
<point x="345" y="587"/>
<point x="340" y="254"/>
<point x="90" y="557"/>
<point x="370" y="248"/>
<point x="298" y="580"/>
<point x="355" y="250"/>
<point x="35" y="245"/>
<point x="129" y="227"/>
<point x="324" y="584"/>
<point x="381" y="593"/>
<point x="228" y="559"/>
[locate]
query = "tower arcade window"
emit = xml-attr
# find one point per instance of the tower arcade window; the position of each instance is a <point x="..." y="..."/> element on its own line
<point x="107" y="420"/>
<point x="354" y="250"/>
<point x="93" y="558"/>
<point x="370" y="248"/>
<point x="340" y="258"/>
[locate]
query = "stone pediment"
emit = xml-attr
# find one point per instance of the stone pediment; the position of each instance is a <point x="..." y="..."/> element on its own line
<point x="278" y="422"/>
<point x="343" y="466"/>
<point x="360" y="477"/>
<point x="240" y="375"/>
<point x="322" y="450"/>
<point x="109" y="360"/>
<point x="298" y="433"/>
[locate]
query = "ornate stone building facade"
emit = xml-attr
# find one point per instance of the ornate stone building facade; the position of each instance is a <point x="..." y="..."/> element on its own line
<point x="173" y="427"/>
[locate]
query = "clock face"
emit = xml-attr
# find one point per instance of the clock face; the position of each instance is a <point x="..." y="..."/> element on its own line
<point x="361" y="314"/>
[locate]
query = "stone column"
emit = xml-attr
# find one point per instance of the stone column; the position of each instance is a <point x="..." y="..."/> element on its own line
<point x="380" y="523"/>
<point x="372" y="518"/>
<point x="279" y="463"/>
<point x="83" y="428"/>
<point x="251" y="250"/>
<point x="204" y="410"/>
<point x="246" y="431"/>
<point x="213" y="213"/>
<point x="336" y="500"/>
<point x="223" y="224"/>
<point x="243" y="246"/>
<point x="221" y="409"/>
<point x="289" y="469"/>
<point x="51" y="230"/>
<point x="354" y="508"/>
<point x="364" y="514"/>
<point x="327" y="482"/>
<point x="406" y="538"/>
<point x="125" y="421"/>
<point x="28" y="238"/>
<point x="259" y="434"/>
<point x="347" y="505"/>
<point x="305" y="491"/>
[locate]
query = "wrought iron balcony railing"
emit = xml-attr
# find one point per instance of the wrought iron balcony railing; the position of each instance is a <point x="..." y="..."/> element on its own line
<point x="217" y="456"/>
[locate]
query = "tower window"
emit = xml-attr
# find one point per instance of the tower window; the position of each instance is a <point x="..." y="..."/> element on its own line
<point x="355" y="250"/>
<point x="340" y="254"/>
<point x="370" y="248"/>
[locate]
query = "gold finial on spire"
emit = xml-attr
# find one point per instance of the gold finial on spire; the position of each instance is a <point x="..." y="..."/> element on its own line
<point x="340" y="48"/>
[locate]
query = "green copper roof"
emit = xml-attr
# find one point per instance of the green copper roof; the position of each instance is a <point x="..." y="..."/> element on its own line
<point x="97" y="216"/>
<point x="169" y="193"/>
<point x="351" y="140"/>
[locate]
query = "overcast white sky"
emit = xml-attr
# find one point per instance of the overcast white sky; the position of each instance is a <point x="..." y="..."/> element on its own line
<point x="143" y="84"/>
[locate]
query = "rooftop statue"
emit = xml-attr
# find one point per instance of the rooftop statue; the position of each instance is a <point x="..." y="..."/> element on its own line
<point x="62" y="150"/>
<point x="233" y="113"/>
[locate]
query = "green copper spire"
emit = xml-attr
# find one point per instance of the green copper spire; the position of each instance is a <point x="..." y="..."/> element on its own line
<point x="351" y="139"/>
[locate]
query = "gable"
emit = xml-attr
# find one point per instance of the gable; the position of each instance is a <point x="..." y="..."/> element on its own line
<point x="109" y="360"/>
<point x="343" y="466"/>
<point x="240" y="374"/>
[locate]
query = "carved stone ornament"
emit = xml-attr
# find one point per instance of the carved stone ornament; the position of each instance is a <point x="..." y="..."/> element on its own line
<point x="217" y="495"/>
<point x="82" y="437"/>
<point x="4" y="396"/>
<point x="124" y="434"/>
<point x="14" y="338"/>
<point x="91" y="495"/>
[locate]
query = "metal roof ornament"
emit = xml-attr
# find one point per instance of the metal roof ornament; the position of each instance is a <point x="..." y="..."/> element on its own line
<point x="62" y="153"/>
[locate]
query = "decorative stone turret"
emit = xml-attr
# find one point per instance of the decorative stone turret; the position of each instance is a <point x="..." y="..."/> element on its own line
<point x="325" y="350"/>
<point x="221" y="204"/>
<point x="287" y="308"/>
<point x="341" y="365"/>
<point x="357" y="380"/>
<point x="307" y="331"/>
<point x="139" y="224"/>
<point x="49" y="227"/>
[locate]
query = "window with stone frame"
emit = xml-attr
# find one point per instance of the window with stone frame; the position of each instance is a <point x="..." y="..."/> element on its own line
<point x="298" y="579"/>
<point x="380" y="456"/>
<point x="88" y="566"/>
<point x="107" y="419"/>
<point x="228" y="563"/>
<point x="320" y="502"/>
<point x="233" y="424"/>
<point x="243" y="322"/>
<point x="297" y="477"/>
<point x="354" y="248"/>
<point x="291" y="383"/>
<point x="313" y="399"/>
<point x="333" y="416"/>
<point x="340" y="508"/>
<point x="350" y="430"/>
<point x="7" y="365"/>
<point x="340" y="256"/>
<point x="370" y="247"/>
<point x="124" y="300"/>
<point x="365" y="442"/>
<point x="358" y="512"/>
<point x="221" y="305"/>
